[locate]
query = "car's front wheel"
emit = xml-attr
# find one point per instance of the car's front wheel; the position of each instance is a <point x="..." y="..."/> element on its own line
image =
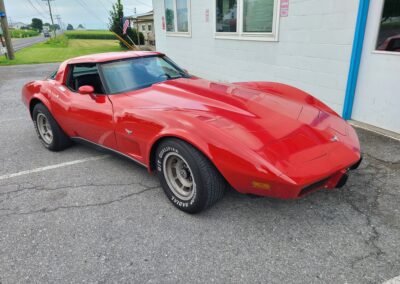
<point x="190" y="181"/>
<point x="48" y="130"/>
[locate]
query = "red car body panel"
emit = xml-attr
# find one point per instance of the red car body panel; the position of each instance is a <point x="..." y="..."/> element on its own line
<point x="265" y="138"/>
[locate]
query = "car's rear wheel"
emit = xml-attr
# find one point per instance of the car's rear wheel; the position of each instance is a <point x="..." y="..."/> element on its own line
<point x="48" y="130"/>
<point x="190" y="181"/>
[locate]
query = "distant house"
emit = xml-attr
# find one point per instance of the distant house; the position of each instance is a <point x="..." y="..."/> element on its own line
<point x="145" y="24"/>
<point x="18" y="25"/>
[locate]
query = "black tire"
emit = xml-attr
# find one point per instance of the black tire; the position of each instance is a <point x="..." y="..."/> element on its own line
<point x="60" y="140"/>
<point x="208" y="184"/>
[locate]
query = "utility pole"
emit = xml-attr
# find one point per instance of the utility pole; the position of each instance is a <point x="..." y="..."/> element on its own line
<point x="137" y="28"/>
<point x="4" y="24"/>
<point x="51" y="15"/>
<point x="58" y="18"/>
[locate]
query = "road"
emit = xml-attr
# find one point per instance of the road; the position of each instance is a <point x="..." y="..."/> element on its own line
<point x="19" y="43"/>
<point x="94" y="217"/>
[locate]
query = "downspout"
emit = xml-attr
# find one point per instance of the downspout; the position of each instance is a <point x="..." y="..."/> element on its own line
<point x="355" y="60"/>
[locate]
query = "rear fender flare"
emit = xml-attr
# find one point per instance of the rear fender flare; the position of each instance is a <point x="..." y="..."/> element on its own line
<point x="39" y="98"/>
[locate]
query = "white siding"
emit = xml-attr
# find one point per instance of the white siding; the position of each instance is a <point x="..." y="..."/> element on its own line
<point x="313" y="51"/>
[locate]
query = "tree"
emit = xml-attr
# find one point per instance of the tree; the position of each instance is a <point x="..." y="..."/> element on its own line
<point x="54" y="27"/>
<point x="37" y="24"/>
<point x="70" y="27"/>
<point x="80" y="26"/>
<point x="115" y="25"/>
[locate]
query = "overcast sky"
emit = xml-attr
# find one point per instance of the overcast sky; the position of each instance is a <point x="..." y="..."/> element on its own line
<point x="92" y="14"/>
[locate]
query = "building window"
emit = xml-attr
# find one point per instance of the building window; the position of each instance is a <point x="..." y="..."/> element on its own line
<point x="247" y="19"/>
<point x="177" y="15"/>
<point x="143" y="27"/>
<point x="149" y="28"/>
<point x="389" y="31"/>
<point x="170" y="15"/>
<point x="226" y="16"/>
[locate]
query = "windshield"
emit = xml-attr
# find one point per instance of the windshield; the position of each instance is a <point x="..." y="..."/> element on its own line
<point x="137" y="73"/>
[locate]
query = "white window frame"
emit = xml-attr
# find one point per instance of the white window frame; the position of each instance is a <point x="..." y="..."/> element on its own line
<point x="374" y="49"/>
<point x="176" y="33"/>
<point x="240" y="34"/>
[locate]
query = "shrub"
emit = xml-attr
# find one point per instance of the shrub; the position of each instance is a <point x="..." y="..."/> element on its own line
<point x="23" y="33"/>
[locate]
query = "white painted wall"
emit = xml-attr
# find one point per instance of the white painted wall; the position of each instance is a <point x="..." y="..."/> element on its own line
<point x="313" y="51"/>
<point x="377" y="99"/>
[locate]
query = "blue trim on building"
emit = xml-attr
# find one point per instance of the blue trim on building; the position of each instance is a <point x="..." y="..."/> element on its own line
<point x="355" y="60"/>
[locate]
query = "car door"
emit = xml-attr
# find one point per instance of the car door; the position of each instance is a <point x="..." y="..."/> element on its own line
<point x="129" y="84"/>
<point x="89" y="116"/>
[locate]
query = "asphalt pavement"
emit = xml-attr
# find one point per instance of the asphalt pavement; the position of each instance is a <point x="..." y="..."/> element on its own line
<point x="85" y="216"/>
<point x="19" y="43"/>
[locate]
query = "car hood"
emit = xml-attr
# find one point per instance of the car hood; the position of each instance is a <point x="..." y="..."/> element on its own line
<point x="231" y="106"/>
<point x="273" y="126"/>
<point x="254" y="110"/>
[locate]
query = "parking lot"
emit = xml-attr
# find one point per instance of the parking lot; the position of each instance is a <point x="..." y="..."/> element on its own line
<point x="85" y="216"/>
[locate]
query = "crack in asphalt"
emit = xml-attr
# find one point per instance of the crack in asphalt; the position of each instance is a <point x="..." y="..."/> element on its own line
<point x="38" y="188"/>
<point x="377" y="181"/>
<point x="47" y="210"/>
<point x="392" y="165"/>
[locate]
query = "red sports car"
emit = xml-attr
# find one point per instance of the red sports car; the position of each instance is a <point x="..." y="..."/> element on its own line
<point x="200" y="136"/>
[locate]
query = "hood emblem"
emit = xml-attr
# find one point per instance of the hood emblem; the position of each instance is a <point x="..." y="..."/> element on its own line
<point x="128" y="131"/>
<point x="335" y="138"/>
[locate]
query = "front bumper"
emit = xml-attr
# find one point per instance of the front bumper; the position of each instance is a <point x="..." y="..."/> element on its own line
<point x="276" y="189"/>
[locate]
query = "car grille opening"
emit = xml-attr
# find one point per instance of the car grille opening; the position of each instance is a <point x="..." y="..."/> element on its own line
<point x="314" y="186"/>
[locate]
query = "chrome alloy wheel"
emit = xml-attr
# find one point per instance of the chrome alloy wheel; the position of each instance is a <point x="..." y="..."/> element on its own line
<point x="44" y="128"/>
<point x="179" y="176"/>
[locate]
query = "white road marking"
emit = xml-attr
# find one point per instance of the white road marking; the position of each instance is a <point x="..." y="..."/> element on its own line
<point x="14" y="119"/>
<point x="41" y="169"/>
<point x="395" y="280"/>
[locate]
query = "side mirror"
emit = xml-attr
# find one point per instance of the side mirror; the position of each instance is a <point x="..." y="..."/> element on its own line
<point x="186" y="71"/>
<point x="86" y="90"/>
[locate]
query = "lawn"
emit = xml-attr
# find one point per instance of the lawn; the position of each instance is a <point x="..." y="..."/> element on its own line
<point x="56" y="51"/>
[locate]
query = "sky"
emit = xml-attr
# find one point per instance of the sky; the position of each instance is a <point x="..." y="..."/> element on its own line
<point x="92" y="14"/>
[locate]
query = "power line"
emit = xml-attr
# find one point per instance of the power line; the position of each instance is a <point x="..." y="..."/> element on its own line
<point x="104" y="6"/>
<point x="41" y="5"/>
<point x="90" y="11"/>
<point x="34" y="7"/>
<point x="143" y="3"/>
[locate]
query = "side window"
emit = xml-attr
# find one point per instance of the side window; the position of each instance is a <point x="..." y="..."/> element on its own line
<point x="85" y="74"/>
<point x="389" y="30"/>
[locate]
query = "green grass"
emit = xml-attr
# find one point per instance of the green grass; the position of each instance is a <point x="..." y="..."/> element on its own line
<point x="60" y="41"/>
<point x="23" y="33"/>
<point x="91" y="34"/>
<point x="60" y="50"/>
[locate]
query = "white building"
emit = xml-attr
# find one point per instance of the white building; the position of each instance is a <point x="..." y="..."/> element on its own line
<point x="316" y="45"/>
<point x="17" y="25"/>
<point x="144" y="23"/>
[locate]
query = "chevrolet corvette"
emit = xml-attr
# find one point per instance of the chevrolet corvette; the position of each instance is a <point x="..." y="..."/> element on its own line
<point x="200" y="137"/>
